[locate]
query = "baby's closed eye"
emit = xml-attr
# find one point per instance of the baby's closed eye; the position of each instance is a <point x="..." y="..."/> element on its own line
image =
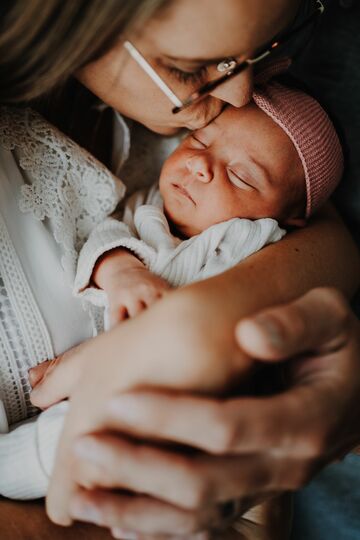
<point x="237" y="180"/>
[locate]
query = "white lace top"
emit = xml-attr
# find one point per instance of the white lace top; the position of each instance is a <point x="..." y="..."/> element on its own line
<point x="52" y="194"/>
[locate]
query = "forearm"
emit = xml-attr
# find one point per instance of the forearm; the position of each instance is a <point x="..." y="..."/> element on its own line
<point x="200" y="318"/>
<point x="322" y="254"/>
<point x="194" y="326"/>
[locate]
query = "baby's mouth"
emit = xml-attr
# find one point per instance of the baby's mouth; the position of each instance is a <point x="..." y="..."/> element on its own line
<point x="184" y="192"/>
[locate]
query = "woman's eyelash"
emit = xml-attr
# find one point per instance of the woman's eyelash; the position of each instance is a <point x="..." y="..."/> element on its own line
<point x="188" y="77"/>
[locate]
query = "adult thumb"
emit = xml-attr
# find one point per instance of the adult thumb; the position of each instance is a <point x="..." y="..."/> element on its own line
<point x="319" y="321"/>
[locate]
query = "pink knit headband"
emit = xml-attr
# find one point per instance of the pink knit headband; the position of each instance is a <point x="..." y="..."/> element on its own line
<point x="313" y="136"/>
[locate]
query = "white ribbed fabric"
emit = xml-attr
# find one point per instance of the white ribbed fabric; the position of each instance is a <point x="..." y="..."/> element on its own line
<point x="27" y="453"/>
<point x="145" y="231"/>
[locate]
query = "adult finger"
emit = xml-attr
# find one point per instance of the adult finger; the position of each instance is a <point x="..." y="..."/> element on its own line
<point x="139" y="514"/>
<point x="318" y="321"/>
<point x="238" y="425"/>
<point x="127" y="535"/>
<point x="114" y="316"/>
<point x="134" y="307"/>
<point x="192" y="482"/>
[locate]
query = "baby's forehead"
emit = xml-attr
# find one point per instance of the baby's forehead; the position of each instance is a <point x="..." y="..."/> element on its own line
<point x="249" y="128"/>
<point x="234" y="124"/>
<point x="251" y="131"/>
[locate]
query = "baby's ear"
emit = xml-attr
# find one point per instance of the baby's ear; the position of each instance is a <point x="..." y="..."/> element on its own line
<point x="295" y="222"/>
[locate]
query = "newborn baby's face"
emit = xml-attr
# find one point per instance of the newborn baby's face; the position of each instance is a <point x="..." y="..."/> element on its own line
<point x="241" y="165"/>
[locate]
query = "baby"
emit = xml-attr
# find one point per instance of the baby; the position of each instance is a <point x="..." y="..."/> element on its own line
<point x="222" y="195"/>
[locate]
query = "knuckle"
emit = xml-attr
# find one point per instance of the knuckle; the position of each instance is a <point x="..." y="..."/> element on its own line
<point x="196" y="488"/>
<point x="301" y="475"/>
<point x="119" y="293"/>
<point x="198" y="494"/>
<point x="89" y="474"/>
<point x="298" y="469"/>
<point x="225" y="436"/>
<point x="316" y="448"/>
<point x="151" y="293"/>
<point x="293" y="321"/>
<point x="336" y="301"/>
<point x="188" y="523"/>
<point x="87" y="477"/>
<point x="194" y="530"/>
<point x="225" y="429"/>
<point x="151" y="300"/>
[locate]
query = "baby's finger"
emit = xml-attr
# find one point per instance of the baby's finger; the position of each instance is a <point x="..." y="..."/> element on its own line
<point x="37" y="373"/>
<point x="115" y="315"/>
<point x="134" y="307"/>
<point x="151" y="298"/>
<point x="60" y="378"/>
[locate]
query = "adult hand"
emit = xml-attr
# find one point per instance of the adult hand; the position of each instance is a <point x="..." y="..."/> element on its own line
<point x="255" y="447"/>
<point x="119" y="360"/>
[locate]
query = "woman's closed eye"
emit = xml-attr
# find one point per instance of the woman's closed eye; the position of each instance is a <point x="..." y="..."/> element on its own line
<point x="188" y="77"/>
<point x="238" y="181"/>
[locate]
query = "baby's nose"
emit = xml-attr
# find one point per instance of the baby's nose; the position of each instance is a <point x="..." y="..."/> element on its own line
<point x="200" y="169"/>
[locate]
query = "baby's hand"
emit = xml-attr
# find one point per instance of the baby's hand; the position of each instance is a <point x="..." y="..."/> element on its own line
<point x="132" y="291"/>
<point x="129" y="285"/>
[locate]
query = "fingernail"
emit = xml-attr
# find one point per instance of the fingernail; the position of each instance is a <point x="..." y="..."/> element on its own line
<point x="124" y="535"/>
<point x="126" y="409"/>
<point x="84" y="511"/>
<point x="271" y="328"/>
<point x="86" y="448"/>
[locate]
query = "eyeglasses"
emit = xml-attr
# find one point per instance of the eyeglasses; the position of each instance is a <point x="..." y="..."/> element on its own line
<point x="229" y="65"/>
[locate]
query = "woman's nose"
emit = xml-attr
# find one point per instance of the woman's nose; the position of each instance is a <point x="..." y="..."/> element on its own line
<point x="199" y="168"/>
<point x="238" y="90"/>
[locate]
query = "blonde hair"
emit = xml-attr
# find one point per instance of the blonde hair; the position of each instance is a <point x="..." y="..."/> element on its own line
<point x="43" y="43"/>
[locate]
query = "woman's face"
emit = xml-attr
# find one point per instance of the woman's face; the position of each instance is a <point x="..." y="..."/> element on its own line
<point x="184" y="43"/>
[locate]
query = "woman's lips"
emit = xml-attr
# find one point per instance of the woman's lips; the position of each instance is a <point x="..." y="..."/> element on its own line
<point x="184" y="192"/>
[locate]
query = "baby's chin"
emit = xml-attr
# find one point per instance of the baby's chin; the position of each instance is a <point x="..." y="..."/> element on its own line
<point x="177" y="227"/>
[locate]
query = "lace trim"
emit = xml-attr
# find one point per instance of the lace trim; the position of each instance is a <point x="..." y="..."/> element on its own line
<point x="24" y="338"/>
<point x="66" y="184"/>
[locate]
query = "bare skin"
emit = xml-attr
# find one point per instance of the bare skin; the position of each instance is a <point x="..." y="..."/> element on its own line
<point x="321" y="254"/>
<point x="241" y="165"/>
